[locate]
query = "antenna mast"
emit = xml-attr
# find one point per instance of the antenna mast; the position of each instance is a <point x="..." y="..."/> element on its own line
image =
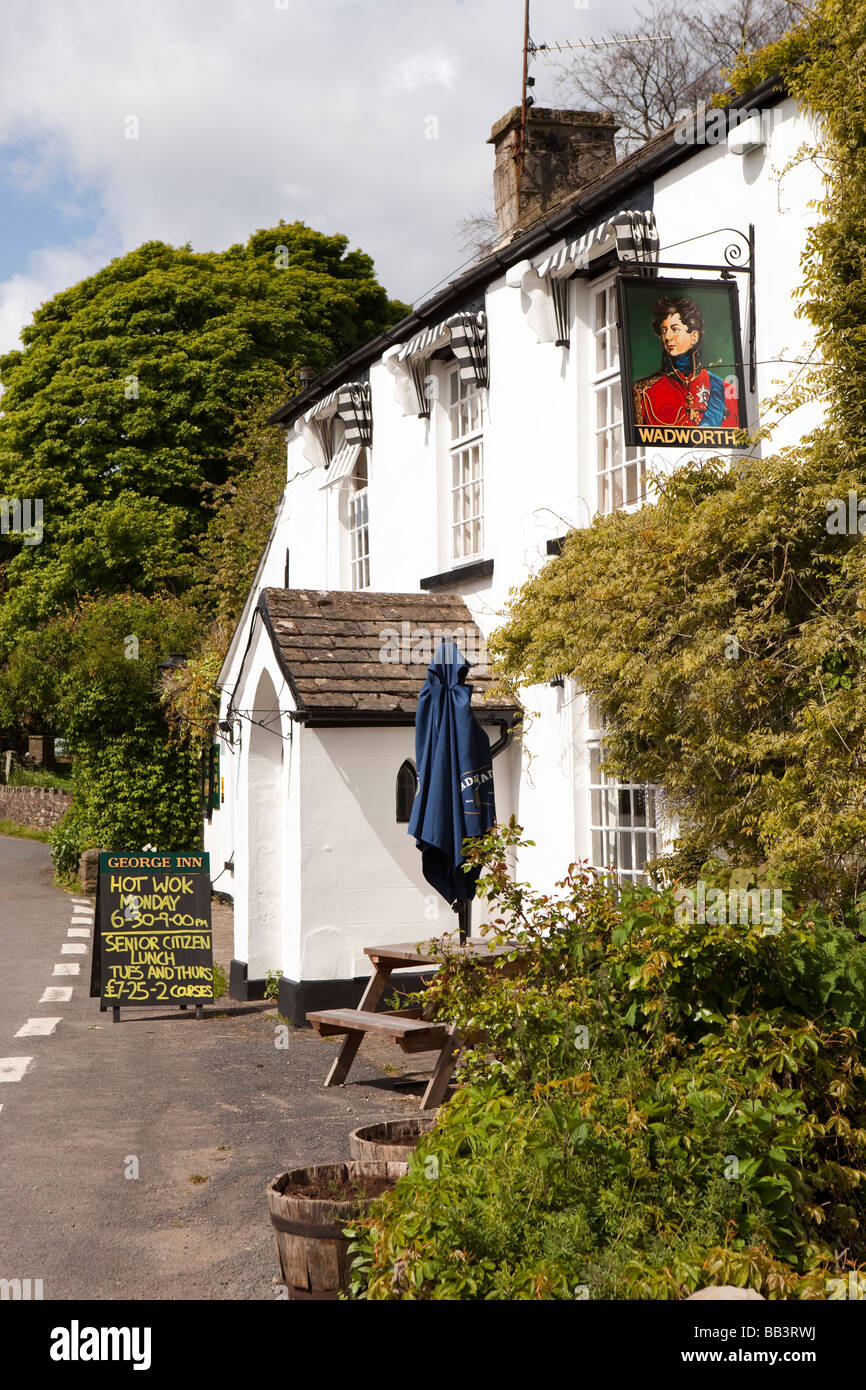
<point x="521" y="144"/>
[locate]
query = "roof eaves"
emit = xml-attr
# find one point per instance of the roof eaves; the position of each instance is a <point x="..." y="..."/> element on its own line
<point x="660" y="154"/>
<point x="262" y="607"/>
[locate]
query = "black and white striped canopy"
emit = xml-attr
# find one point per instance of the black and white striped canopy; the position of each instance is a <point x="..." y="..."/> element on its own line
<point x="634" y="233"/>
<point x="465" y="334"/>
<point x="351" y="402"/>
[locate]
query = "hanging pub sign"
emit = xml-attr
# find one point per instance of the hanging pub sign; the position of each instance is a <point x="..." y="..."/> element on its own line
<point x="681" y="362"/>
<point x="153" y="941"/>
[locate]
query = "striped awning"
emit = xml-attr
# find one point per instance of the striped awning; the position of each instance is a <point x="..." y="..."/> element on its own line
<point x="324" y="408"/>
<point x="634" y="233"/>
<point x="351" y="402"/>
<point x="342" y="465"/>
<point x="425" y="342"/>
<point x="465" y="334"/>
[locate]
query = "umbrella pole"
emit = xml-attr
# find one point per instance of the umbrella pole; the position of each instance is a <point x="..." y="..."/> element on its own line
<point x="464" y="921"/>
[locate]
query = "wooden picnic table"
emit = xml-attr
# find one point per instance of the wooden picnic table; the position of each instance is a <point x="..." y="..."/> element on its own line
<point x="406" y="1027"/>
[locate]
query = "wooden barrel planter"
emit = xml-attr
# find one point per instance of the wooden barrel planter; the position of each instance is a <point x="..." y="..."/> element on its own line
<point x="392" y="1140"/>
<point x="309" y="1209"/>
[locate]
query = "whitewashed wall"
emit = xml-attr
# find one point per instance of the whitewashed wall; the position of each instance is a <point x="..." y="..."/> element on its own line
<point x="322" y="866"/>
<point x="539" y="480"/>
<point x="360" y="871"/>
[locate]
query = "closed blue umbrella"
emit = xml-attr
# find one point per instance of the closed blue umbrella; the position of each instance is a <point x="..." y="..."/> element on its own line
<point x="454" y="800"/>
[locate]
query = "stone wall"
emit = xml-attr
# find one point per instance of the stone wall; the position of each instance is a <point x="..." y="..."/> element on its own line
<point x="36" y="807"/>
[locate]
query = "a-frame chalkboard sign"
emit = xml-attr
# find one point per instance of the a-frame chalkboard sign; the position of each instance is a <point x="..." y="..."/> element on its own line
<point x="153" y="942"/>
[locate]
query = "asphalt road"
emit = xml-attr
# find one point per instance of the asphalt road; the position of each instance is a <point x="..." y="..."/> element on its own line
<point x="160" y="1093"/>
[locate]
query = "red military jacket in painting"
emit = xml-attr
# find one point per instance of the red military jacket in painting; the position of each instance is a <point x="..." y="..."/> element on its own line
<point x="682" y="398"/>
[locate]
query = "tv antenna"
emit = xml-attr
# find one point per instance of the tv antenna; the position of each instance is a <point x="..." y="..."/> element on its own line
<point x="547" y="50"/>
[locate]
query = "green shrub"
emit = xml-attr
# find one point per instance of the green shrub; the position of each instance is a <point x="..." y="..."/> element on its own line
<point x="652" y="1104"/>
<point x="135" y="789"/>
<point x="68" y="842"/>
<point x="272" y="986"/>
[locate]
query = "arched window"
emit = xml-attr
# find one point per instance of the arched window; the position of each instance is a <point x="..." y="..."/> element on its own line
<point x="407" y="782"/>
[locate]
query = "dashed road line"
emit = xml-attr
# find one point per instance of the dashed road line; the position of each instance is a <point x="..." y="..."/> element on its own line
<point x="13" y="1068"/>
<point x="38" y="1027"/>
<point x="57" y="994"/>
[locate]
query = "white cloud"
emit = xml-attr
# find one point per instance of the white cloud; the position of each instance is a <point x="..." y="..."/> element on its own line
<point x="249" y="112"/>
<point x="49" y="271"/>
<point x="422" y="70"/>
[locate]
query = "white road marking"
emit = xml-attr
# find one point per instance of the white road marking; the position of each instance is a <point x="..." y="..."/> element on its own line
<point x="38" y="1027"/>
<point x="82" y="921"/>
<point x="79" y="931"/>
<point x="67" y="968"/>
<point x="57" y="994"/>
<point x="73" y="948"/>
<point x="13" y="1068"/>
<point x="82" y="902"/>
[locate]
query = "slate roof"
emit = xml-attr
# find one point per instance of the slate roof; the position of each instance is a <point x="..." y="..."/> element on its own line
<point x="329" y="644"/>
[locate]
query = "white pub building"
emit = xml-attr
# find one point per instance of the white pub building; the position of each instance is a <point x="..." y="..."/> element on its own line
<point x="431" y="472"/>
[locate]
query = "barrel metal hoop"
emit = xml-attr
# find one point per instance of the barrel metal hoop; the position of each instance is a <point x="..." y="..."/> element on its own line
<point x="305" y="1228"/>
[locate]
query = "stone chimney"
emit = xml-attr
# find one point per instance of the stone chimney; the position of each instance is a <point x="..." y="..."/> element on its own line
<point x="564" y="151"/>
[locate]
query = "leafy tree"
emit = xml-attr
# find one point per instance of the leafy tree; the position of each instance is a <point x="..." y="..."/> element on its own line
<point x="135" y="413"/>
<point x="121" y="407"/>
<point x="222" y="572"/>
<point x="96" y="672"/>
<point x="721" y="629"/>
<point x="244" y="508"/>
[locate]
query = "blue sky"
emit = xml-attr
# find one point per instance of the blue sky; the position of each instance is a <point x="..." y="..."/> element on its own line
<point x="245" y="111"/>
<point x="54" y="211"/>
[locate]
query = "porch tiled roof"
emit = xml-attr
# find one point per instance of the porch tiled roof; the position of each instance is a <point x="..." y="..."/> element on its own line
<point x="337" y="650"/>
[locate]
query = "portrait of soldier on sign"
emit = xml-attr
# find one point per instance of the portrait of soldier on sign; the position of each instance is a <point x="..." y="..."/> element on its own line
<point x="683" y="391"/>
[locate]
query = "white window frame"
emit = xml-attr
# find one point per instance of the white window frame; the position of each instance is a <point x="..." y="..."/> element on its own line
<point x="465" y="468"/>
<point x="616" y="824"/>
<point x="358" y="525"/>
<point x="619" y="473"/>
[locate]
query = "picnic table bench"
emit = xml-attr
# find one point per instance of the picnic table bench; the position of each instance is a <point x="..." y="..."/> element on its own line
<point x="405" y="1027"/>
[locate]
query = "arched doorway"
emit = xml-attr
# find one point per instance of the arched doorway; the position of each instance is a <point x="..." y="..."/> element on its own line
<point x="266" y="821"/>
